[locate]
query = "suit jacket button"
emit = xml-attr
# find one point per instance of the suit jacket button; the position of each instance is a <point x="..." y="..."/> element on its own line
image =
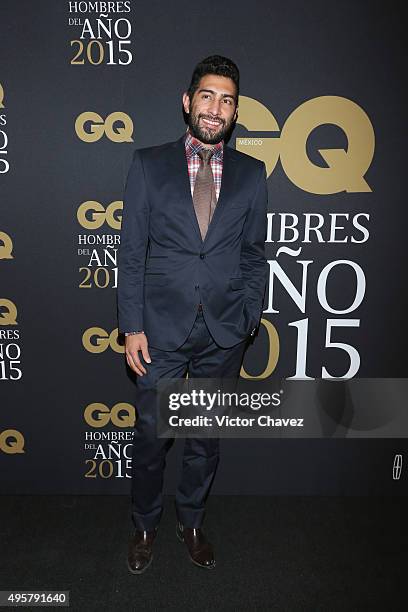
<point x="202" y="255"/>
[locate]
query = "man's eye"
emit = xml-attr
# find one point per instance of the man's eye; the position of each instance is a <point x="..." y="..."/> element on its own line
<point x="228" y="101"/>
<point x="206" y="95"/>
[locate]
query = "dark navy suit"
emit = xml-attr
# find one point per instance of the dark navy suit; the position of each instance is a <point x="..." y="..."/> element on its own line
<point x="165" y="271"/>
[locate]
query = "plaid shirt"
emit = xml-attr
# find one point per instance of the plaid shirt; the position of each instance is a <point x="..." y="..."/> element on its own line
<point x="193" y="161"/>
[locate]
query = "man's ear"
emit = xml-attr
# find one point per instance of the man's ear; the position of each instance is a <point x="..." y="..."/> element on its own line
<point x="186" y="103"/>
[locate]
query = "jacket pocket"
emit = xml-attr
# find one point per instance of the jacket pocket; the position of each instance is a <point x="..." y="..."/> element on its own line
<point x="155" y="278"/>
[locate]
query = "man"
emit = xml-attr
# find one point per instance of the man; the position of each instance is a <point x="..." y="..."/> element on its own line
<point x="192" y="275"/>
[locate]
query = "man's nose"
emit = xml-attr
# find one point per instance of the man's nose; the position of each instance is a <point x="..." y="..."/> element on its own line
<point x="215" y="106"/>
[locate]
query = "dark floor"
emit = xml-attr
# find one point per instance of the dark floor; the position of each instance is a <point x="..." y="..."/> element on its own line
<point x="273" y="553"/>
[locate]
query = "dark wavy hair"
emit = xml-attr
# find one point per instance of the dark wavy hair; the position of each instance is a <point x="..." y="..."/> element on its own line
<point x="214" y="64"/>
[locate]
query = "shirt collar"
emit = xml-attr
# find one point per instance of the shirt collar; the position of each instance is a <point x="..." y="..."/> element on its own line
<point x="193" y="146"/>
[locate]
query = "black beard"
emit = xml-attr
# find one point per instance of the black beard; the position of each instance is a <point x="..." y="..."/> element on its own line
<point x="204" y="134"/>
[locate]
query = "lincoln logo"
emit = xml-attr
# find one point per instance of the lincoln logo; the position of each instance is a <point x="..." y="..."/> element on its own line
<point x="397" y="467"/>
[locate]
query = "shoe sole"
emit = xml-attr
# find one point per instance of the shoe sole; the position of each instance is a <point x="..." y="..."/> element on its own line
<point x="209" y="567"/>
<point x="132" y="571"/>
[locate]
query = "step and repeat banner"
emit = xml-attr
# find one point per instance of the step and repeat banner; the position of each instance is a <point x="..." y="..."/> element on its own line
<point x="82" y="85"/>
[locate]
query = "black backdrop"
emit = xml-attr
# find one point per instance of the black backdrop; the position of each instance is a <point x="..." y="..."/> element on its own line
<point x="350" y="54"/>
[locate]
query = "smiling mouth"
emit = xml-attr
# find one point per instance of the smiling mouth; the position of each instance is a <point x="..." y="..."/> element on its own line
<point x="211" y="123"/>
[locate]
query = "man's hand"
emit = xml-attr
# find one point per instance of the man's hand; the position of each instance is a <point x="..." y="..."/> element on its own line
<point x="134" y="344"/>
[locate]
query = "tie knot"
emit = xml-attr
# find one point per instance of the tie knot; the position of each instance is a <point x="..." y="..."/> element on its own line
<point x="205" y="154"/>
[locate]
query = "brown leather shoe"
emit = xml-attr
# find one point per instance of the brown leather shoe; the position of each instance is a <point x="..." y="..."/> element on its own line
<point x="199" y="549"/>
<point x="140" y="553"/>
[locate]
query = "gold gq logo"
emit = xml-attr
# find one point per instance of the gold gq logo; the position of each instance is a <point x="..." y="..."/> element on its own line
<point x="92" y="215"/>
<point x="99" y="415"/>
<point x="98" y="127"/>
<point x="11" y="442"/>
<point x="6" y="246"/>
<point x="345" y="168"/>
<point x="9" y="317"/>
<point x="97" y="340"/>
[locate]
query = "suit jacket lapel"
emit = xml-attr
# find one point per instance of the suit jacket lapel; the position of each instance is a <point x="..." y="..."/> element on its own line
<point x="182" y="181"/>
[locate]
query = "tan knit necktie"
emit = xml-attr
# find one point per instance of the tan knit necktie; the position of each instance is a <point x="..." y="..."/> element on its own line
<point x="204" y="196"/>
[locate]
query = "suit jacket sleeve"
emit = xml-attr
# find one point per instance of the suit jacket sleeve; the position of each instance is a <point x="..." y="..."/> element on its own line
<point x="132" y="250"/>
<point x="253" y="260"/>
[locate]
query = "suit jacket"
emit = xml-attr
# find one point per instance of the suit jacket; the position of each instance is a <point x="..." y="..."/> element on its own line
<point x="166" y="269"/>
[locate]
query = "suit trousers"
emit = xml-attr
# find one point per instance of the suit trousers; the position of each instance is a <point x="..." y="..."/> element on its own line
<point x="201" y="357"/>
